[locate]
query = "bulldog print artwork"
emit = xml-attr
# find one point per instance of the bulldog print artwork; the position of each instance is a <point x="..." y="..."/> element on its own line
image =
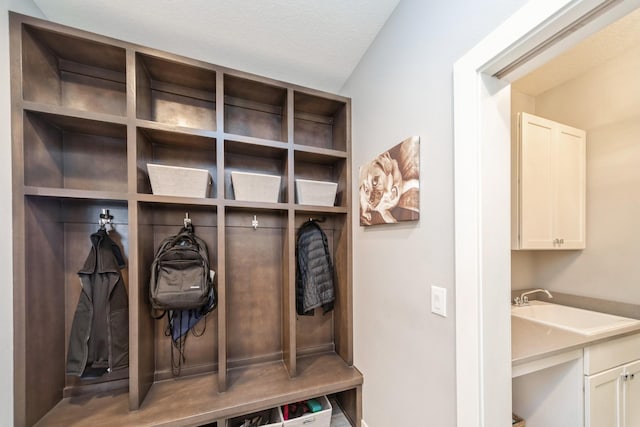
<point x="389" y="185"/>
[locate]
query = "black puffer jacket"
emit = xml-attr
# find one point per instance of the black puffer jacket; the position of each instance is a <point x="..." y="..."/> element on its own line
<point x="99" y="340"/>
<point x="314" y="270"/>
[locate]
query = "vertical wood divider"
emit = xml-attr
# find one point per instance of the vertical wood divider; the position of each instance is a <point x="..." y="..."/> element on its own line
<point x="221" y="215"/>
<point x="137" y="389"/>
<point x="222" y="301"/>
<point x="289" y="270"/>
<point x="19" y="232"/>
<point x="343" y="312"/>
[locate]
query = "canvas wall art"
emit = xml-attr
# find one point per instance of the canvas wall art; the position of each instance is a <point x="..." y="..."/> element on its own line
<point x="389" y="185"/>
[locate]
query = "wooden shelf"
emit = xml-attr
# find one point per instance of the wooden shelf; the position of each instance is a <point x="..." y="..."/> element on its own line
<point x="319" y="154"/>
<point x="70" y="112"/>
<point x="250" y="389"/>
<point x="66" y="193"/>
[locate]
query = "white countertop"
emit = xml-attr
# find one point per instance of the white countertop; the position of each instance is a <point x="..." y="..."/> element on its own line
<point x="531" y="341"/>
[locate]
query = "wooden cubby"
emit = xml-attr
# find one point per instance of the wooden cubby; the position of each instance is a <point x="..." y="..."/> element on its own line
<point x="175" y="93"/>
<point x="320" y="122"/>
<point x="89" y="113"/>
<point x="173" y="149"/>
<point x="255" y="109"/>
<point x="248" y="157"/>
<point x="324" y="167"/>
<point x="77" y="73"/>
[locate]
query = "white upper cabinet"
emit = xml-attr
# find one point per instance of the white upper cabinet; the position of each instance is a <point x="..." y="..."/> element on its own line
<point x="549" y="201"/>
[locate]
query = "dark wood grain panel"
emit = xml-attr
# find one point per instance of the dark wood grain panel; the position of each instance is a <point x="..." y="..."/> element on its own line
<point x="175" y="93"/>
<point x="81" y="50"/>
<point x="319" y="122"/>
<point x="253" y="108"/>
<point x="254" y="123"/>
<point x="141" y="324"/>
<point x="96" y="163"/>
<point x="42" y="153"/>
<point x="62" y="152"/>
<point x="90" y="93"/>
<point x="221" y="310"/>
<point x="306" y="103"/>
<point x="18" y="244"/>
<point x="342" y="128"/>
<point x="314" y="134"/>
<point x="343" y="320"/>
<point x="288" y="298"/>
<point x="254" y="90"/>
<point x="45" y="307"/>
<point x="40" y="74"/>
<point x="179" y="110"/>
<point x="142" y="90"/>
<point x="73" y="72"/>
<point x="254" y="291"/>
<point x="181" y="74"/>
<point x="350" y="402"/>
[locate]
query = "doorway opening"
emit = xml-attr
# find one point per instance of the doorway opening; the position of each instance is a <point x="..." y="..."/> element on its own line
<point x="482" y="97"/>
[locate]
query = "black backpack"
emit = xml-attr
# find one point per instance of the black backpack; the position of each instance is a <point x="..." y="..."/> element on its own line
<point x="180" y="273"/>
<point x="181" y="286"/>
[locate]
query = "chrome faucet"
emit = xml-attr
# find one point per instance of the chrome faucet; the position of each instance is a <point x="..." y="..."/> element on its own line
<point x="523" y="299"/>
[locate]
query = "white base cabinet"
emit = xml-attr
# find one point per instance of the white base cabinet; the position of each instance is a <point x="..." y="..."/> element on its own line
<point x="612" y="396"/>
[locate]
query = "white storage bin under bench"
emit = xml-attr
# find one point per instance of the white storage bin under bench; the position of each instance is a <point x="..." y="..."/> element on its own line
<point x="321" y="418"/>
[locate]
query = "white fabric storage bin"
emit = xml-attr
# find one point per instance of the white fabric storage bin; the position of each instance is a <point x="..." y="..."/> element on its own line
<point x="255" y="187"/>
<point x="178" y="181"/>
<point x="275" y="418"/>
<point x="313" y="419"/>
<point x="320" y="193"/>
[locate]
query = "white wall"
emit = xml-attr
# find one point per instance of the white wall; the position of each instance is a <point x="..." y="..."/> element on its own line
<point x="6" y="263"/>
<point x="403" y="87"/>
<point x="606" y="102"/>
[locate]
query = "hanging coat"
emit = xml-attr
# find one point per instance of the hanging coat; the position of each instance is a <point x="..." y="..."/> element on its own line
<point x="99" y="340"/>
<point x="314" y="270"/>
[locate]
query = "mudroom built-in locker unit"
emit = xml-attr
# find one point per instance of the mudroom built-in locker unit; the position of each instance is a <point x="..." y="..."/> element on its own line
<point x="88" y="114"/>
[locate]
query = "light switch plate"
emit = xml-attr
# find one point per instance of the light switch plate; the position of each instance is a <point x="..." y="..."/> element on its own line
<point x="439" y="301"/>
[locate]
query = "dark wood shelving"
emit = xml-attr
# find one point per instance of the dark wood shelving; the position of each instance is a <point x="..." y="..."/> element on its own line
<point x="89" y="114"/>
<point x="250" y="388"/>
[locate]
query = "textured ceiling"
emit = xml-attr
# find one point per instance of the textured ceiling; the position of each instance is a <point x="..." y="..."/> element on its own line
<point x="619" y="37"/>
<point x="314" y="43"/>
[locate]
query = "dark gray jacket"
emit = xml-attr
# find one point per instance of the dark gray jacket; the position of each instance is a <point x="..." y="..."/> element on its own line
<point x="99" y="340"/>
<point x="314" y="270"/>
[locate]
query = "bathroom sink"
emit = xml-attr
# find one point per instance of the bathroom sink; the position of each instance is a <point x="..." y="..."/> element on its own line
<point x="584" y="322"/>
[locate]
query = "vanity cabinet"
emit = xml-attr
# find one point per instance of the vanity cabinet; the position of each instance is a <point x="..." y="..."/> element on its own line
<point x="88" y="114"/>
<point x="548" y="204"/>
<point x="612" y="396"/>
